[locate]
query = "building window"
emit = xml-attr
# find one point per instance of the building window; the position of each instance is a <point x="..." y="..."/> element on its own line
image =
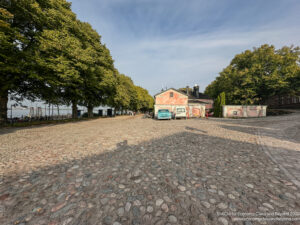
<point x="294" y="100"/>
<point x="171" y="94"/>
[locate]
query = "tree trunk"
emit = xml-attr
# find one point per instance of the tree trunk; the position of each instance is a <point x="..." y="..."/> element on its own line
<point x="3" y="105"/>
<point x="49" y="115"/>
<point x="74" y="109"/>
<point x="90" y="111"/>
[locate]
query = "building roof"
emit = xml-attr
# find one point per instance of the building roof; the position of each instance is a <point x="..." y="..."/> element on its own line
<point x="171" y="89"/>
<point x="190" y="95"/>
<point x="201" y="95"/>
<point x="204" y="101"/>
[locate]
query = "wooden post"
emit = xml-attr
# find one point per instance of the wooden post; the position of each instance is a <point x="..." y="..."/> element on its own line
<point x="11" y="113"/>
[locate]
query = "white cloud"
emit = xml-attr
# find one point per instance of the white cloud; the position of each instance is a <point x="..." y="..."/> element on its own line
<point x="179" y="43"/>
<point x="182" y="61"/>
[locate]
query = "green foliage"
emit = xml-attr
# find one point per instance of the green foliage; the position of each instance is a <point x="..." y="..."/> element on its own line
<point x="10" y="53"/>
<point x="145" y="102"/>
<point x="222" y="102"/>
<point x="122" y="97"/>
<point x="254" y="76"/>
<point x="222" y="99"/>
<point x="47" y="53"/>
<point x="217" y="107"/>
<point x="219" y="102"/>
<point x="129" y="96"/>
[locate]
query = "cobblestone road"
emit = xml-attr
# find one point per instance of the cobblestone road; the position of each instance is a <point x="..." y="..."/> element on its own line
<point x="140" y="171"/>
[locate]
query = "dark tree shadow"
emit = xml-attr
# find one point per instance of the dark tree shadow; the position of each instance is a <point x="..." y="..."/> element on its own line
<point x="267" y="132"/>
<point x="192" y="172"/>
<point x="195" y="129"/>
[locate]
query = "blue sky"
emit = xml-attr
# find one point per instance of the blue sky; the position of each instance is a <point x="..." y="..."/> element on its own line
<point x="176" y="43"/>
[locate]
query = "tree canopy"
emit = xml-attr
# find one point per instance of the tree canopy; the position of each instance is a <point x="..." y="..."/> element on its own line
<point x="254" y="76"/>
<point x="47" y="53"/>
<point x="129" y="96"/>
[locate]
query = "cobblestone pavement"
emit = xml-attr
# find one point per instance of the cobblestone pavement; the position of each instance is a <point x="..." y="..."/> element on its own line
<point x="287" y="131"/>
<point x="140" y="171"/>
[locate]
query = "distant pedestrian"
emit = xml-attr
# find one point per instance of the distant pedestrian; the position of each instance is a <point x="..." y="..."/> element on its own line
<point x="206" y="114"/>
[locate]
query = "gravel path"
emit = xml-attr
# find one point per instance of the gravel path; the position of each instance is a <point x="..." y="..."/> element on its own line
<point x="130" y="170"/>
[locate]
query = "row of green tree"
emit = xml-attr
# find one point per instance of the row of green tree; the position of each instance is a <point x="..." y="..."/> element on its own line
<point x="254" y="76"/>
<point x="47" y="53"/>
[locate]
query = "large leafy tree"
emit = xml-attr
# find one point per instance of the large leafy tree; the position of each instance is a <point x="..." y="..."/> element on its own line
<point x="145" y="102"/>
<point x="254" y="76"/>
<point x="129" y="96"/>
<point x="31" y="22"/>
<point x="9" y="54"/>
<point x="97" y="68"/>
<point x="61" y="56"/>
<point x="121" y="98"/>
<point x="20" y="23"/>
<point x="47" y="53"/>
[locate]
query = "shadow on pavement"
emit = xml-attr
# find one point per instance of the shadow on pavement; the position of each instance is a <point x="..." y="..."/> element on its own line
<point x="266" y="132"/>
<point x="195" y="129"/>
<point x="185" y="178"/>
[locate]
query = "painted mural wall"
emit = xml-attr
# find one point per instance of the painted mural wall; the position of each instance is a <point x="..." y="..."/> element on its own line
<point x="171" y="97"/>
<point x="244" y="111"/>
<point x="196" y="110"/>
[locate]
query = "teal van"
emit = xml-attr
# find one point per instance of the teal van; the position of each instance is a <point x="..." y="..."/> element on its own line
<point x="164" y="114"/>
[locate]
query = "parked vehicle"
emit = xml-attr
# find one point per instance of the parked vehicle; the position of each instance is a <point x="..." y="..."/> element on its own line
<point x="164" y="114"/>
<point x="180" y="113"/>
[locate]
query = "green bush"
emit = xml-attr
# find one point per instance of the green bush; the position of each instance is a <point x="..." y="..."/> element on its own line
<point x="219" y="102"/>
